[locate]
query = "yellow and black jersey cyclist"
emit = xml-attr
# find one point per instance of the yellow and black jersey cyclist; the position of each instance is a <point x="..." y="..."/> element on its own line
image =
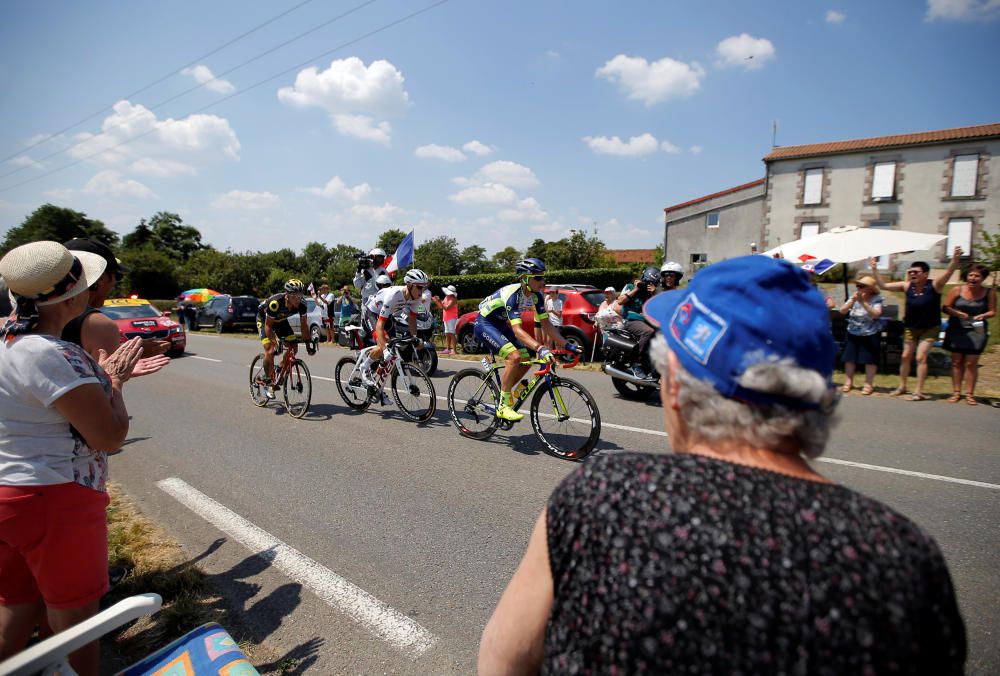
<point x="272" y="323"/>
<point x="498" y="326"/>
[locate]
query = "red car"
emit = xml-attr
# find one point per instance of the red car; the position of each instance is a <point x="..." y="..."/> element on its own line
<point x="137" y="317"/>
<point x="580" y="303"/>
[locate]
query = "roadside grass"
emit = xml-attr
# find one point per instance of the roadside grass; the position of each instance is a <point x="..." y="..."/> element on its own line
<point x="158" y="564"/>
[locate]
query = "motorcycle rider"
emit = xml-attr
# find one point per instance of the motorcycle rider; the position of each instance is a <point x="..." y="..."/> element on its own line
<point x="631" y="300"/>
<point x="671" y="274"/>
<point x="370" y="268"/>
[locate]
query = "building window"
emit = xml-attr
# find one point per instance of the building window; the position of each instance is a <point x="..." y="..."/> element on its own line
<point x="712" y="220"/>
<point x="808" y="230"/>
<point x="699" y="258"/>
<point x="884" y="181"/>
<point x="883" y="262"/>
<point x="963" y="179"/>
<point x="959" y="234"/>
<point x="812" y="189"/>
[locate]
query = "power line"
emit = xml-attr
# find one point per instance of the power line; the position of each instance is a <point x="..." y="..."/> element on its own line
<point x="156" y="82"/>
<point x="234" y="95"/>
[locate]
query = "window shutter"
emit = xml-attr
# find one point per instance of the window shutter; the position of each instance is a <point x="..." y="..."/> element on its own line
<point x="959" y="234"/>
<point x="808" y="230"/>
<point x="813" y="190"/>
<point x="884" y="180"/>
<point x="963" y="181"/>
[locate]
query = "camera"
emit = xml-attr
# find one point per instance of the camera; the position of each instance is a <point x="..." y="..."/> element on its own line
<point x="364" y="261"/>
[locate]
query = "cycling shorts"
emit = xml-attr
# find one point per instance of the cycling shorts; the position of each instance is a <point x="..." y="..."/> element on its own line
<point x="368" y="321"/>
<point x="499" y="337"/>
<point x="282" y="329"/>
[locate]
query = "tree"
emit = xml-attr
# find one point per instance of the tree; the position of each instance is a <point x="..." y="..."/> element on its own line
<point x="538" y="249"/>
<point x="576" y="252"/>
<point x="659" y="257"/>
<point x="473" y="261"/>
<point x="989" y="254"/>
<point x="313" y="262"/>
<point x="438" y="256"/>
<point x="140" y="237"/>
<point x="49" y="222"/>
<point x="342" y="265"/>
<point x="506" y="259"/>
<point x="152" y="274"/>
<point x="390" y="240"/>
<point x="172" y="237"/>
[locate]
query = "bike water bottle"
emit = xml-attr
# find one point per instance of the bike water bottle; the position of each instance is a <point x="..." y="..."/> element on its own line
<point x="486" y="364"/>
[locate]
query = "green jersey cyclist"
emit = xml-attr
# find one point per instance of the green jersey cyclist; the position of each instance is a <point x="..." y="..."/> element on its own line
<point x="272" y="323"/>
<point x="498" y="326"/>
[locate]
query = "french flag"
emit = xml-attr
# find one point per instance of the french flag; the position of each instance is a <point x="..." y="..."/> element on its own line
<point x="819" y="267"/>
<point x="403" y="257"/>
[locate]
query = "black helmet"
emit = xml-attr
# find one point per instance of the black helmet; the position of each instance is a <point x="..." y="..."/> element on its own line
<point x="530" y="266"/>
<point x="650" y="275"/>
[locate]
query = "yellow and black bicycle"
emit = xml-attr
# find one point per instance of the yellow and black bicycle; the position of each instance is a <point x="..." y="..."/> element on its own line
<point x="563" y="413"/>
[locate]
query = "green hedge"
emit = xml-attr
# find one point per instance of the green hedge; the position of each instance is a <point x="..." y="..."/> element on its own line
<point x="480" y="286"/>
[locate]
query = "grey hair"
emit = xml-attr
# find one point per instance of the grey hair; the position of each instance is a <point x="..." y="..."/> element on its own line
<point x="712" y="417"/>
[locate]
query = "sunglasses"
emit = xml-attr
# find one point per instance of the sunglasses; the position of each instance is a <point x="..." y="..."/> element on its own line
<point x="419" y="286"/>
<point x="860" y="286"/>
<point x="539" y="278"/>
<point x="914" y="272"/>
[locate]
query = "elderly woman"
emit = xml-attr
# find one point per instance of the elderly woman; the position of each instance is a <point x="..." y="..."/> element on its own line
<point x="732" y="554"/>
<point x="863" y="343"/>
<point x="60" y="412"/>
<point x="969" y="307"/>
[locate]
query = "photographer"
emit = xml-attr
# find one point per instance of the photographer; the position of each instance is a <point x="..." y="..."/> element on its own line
<point x="370" y="267"/>
<point x="631" y="300"/>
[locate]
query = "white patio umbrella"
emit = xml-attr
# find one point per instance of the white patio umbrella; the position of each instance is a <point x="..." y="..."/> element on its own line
<point x="849" y="243"/>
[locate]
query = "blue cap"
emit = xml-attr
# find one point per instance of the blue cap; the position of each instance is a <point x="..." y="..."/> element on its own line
<point x="741" y="312"/>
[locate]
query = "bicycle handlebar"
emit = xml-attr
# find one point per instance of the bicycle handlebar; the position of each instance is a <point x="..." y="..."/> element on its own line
<point x="550" y="364"/>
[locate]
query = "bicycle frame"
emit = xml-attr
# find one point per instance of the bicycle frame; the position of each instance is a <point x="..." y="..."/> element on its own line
<point x="547" y="373"/>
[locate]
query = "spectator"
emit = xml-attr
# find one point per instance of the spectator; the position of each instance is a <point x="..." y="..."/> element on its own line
<point x="346" y="306"/>
<point x="94" y="331"/>
<point x="630" y="303"/>
<point x="553" y="308"/>
<point x="328" y="302"/>
<point x="60" y="412"/>
<point x="731" y="554"/>
<point x="449" y="316"/>
<point x="969" y="308"/>
<point x="863" y="343"/>
<point x="608" y="313"/>
<point x="6" y="307"/>
<point x="921" y="319"/>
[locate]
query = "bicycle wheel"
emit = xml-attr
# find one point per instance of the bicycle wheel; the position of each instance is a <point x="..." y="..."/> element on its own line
<point x="352" y="391"/>
<point x="472" y="401"/>
<point x="298" y="389"/>
<point x="414" y="392"/>
<point x="257" y="388"/>
<point x="565" y="418"/>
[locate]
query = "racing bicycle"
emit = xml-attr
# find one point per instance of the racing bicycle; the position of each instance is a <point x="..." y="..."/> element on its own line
<point x="412" y="390"/>
<point x="292" y="376"/>
<point x="564" y="414"/>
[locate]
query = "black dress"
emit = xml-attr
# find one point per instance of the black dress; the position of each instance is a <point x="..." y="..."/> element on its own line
<point x="967" y="336"/>
<point x="681" y="564"/>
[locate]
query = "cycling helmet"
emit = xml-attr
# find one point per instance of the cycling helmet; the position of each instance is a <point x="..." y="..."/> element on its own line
<point x="675" y="268"/>
<point x="650" y="276"/>
<point x="383" y="281"/>
<point x="416" y="276"/>
<point x="376" y="252"/>
<point x="294" y="286"/>
<point x="530" y="266"/>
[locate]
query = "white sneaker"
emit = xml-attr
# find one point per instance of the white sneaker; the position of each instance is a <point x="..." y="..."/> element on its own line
<point x="367" y="378"/>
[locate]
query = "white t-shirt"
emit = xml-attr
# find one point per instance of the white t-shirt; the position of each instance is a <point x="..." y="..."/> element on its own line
<point x="553" y="307"/>
<point x="38" y="446"/>
<point x="390" y="300"/>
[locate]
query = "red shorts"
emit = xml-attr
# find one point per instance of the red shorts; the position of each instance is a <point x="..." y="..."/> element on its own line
<point x="53" y="545"/>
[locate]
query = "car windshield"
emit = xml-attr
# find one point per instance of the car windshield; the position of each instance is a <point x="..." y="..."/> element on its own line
<point x="244" y="304"/>
<point x="594" y="297"/>
<point x="130" y="311"/>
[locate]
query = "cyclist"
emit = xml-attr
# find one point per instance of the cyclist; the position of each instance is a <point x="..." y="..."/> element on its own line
<point x="272" y="323"/>
<point x="671" y="275"/>
<point x="498" y="326"/>
<point x="631" y="300"/>
<point x="380" y="308"/>
<point x="370" y="268"/>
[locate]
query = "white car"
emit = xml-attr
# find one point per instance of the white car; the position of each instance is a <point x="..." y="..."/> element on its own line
<point x="314" y="316"/>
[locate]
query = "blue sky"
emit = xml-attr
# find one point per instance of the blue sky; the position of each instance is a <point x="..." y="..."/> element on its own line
<point x="492" y="122"/>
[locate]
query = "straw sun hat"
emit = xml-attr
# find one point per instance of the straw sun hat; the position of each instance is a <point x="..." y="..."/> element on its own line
<point x="48" y="273"/>
<point x="450" y="291"/>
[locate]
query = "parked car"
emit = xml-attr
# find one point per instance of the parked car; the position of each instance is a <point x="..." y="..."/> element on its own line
<point x="580" y="303"/>
<point x="137" y="317"/>
<point x="314" y="316"/>
<point x="225" y="313"/>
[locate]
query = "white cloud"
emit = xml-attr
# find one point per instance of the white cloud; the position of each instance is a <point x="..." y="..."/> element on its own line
<point x="241" y="200"/>
<point x="486" y="195"/>
<point x="833" y="16"/>
<point x="670" y="148"/>
<point x="134" y="134"/>
<point x="634" y="147"/>
<point x="24" y="161"/>
<point x="962" y="10"/>
<point x="507" y="173"/>
<point x="696" y="150"/>
<point x="652" y="82"/>
<point x="477" y="148"/>
<point x="745" y="51"/>
<point x="162" y="168"/>
<point x="527" y="209"/>
<point x="203" y="75"/>
<point x="376" y="214"/>
<point x="353" y="94"/>
<point x="336" y="188"/>
<point x="107" y="183"/>
<point x="553" y="55"/>
<point x="435" y="152"/>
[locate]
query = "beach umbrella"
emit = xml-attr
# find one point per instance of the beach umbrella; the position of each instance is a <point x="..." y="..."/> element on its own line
<point x="200" y="295"/>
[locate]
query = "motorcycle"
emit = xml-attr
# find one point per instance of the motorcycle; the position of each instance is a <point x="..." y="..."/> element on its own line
<point x="621" y="353"/>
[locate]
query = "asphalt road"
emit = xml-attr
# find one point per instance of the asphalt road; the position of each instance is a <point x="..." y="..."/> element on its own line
<point x="430" y="525"/>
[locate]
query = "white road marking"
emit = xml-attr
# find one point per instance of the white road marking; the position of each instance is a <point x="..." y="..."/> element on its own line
<point x="906" y="472"/>
<point x="332" y="380"/>
<point x="194" y="356"/>
<point x="385" y="622"/>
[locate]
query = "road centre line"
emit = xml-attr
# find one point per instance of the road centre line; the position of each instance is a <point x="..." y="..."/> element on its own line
<point x="194" y="356"/>
<point x="390" y="625"/>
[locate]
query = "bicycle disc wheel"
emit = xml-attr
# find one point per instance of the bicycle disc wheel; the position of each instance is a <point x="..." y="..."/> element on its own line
<point x="257" y="387"/>
<point x="472" y="403"/>
<point x="298" y="389"/>
<point x="414" y="392"/>
<point x="566" y="420"/>
<point x="354" y="394"/>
